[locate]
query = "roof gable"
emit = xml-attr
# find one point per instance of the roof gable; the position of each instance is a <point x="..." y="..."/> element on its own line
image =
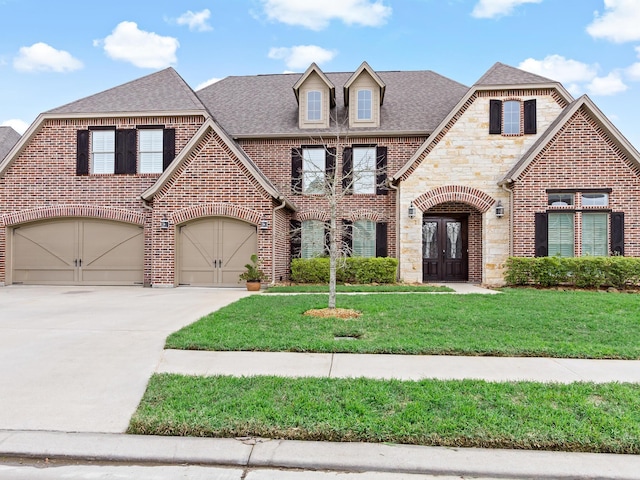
<point x="313" y="68"/>
<point x="8" y="138"/>
<point x="362" y="68"/>
<point x="501" y="74"/>
<point x="163" y="91"/>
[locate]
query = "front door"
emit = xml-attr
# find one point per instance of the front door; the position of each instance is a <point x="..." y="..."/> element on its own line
<point x="444" y="248"/>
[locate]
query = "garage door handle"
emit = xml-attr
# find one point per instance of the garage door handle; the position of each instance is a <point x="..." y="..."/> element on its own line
<point x="80" y="263"/>
<point x="75" y="262"/>
<point x="215" y="264"/>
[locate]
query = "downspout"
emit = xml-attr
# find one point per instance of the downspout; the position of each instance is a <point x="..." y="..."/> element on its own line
<point x="503" y="185"/>
<point x="273" y="239"/>
<point x="397" y="190"/>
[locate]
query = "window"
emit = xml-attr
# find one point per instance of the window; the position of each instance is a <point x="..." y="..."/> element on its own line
<point x="313" y="170"/>
<point x="313" y="239"/>
<point x="511" y="118"/>
<point x="595" y="199"/>
<point x="150" y="155"/>
<point x="364" y="170"/>
<point x="314" y="105"/>
<point x="561" y="234"/>
<point x="103" y="147"/>
<point x="364" y="104"/>
<point x="364" y="238"/>
<point x="560" y="199"/>
<point x="595" y="234"/>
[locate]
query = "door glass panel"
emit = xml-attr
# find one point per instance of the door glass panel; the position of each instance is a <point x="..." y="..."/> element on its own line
<point x="430" y="240"/>
<point x="454" y="240"/>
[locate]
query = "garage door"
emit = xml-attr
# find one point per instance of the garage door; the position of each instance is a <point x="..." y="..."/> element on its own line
<point x="214" y="251"/>
<point x="77" y="252"/>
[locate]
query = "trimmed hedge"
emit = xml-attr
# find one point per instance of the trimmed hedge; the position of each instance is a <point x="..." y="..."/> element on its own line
<point x="349" y="270"/>
<point x="583" y="272"/>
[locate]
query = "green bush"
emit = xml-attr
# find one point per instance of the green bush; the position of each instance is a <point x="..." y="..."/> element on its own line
<point x="583" y="272"/>
<point x="349" y="270"/>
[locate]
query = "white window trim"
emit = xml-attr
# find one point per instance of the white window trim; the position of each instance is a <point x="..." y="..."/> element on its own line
<point x="319" y="110"/>
<point x="359" y="174"/>
<point x="155" y="153"/>
<point x="107" y="164"/>
<point x="511" y="122"/>
<point x="358" y="100"/>
<point x="312" y="170"/>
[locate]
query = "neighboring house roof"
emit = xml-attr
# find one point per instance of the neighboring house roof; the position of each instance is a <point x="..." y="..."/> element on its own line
<point x="261" y="106"/>
<point x="501" y="74"/>
<point x="163" y="91"/>
<point x="583" y="102"/>
<point x="8" y="138"/>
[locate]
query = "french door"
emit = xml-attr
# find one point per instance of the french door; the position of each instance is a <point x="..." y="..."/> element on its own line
<point x="445" y="255"/>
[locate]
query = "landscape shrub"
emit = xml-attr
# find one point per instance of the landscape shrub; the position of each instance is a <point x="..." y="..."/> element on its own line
<point x="349" y="270"/>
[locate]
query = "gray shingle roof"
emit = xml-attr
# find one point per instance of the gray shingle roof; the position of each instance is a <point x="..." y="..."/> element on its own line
<point x="501" y="74"/>
<point x="8" y="138"/>
<point x="415" y="102"/>
<point x="161" y="92"/>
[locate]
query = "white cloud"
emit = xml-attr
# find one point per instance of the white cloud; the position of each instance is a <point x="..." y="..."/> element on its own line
<point x="143" y="49"/>
<point x="195" y="21"/>
<point x="18" y="125"/>
<point x="619" y="22"/>
<point x="300" y="57"/>
<point x="609" y="85"/>
<point x="560" y="69"/>
<point x="316" y="14"/>
<point x="41" y="57"/>
<point x="497" y="8"/>
<point x="206" y="83"/>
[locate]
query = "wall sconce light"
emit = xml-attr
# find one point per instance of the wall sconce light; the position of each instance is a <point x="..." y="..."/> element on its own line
<point x="164" y="223"/>
<point x="412" y="210"/>
<point x="264" y="225"/>
<point x="499" y="209"/>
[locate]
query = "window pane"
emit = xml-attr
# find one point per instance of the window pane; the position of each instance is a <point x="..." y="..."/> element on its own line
<point x="312" y="238"/>
<point x="511" y="117"/>
<point x="102" y="151"/>
<point x="313" y="170"/>
<point x="364" y="104"/>
<point x="595" y="199"/>
<point x="595" y="234"/>
<point x="364" y="238"/>
<point x="314" y="105"/>
<point x="150" y="155"/>
<point x="560" y="199"/>
<point x="364" y="170"/>
<point x="561" y="234"/>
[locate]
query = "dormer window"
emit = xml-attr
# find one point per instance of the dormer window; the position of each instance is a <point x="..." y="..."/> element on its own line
<point x="364" y="104"/>
<point x="314" y="106"/>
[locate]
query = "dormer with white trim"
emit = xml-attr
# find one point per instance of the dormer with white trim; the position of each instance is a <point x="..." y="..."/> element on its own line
<point x="316" y="95"/>
<point x="363" y="95"/>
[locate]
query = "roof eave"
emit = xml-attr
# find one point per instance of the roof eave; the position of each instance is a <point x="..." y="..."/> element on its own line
<point x="145" y="113"/>
<point x="329" y="134"/>
<point x="564" y="93"/>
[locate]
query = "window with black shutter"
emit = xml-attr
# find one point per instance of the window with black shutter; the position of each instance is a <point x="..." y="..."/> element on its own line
<point x="381" y="171"/>
<point x="381" y="239"/>
<point x="82" y="152"/>
<point x="541" y="235"/>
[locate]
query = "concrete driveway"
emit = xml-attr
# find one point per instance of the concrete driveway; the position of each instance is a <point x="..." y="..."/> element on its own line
<point x="78" y="359"/>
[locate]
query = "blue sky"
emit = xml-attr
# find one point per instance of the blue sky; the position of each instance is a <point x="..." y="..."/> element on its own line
<point x="54" y="52"/>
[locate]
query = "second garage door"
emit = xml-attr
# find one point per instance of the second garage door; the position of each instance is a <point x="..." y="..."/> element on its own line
<point x="214" y="251"/>
<point x="75" y="251"/>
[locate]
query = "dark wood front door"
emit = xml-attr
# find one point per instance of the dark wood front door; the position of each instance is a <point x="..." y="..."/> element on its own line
<point x="444" y="248"/>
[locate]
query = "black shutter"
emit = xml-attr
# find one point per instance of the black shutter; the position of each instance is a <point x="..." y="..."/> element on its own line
<point x="330" y="164"/>
<point x="347" y="170"/>
<point x="296" y="170"/>
<point x="347" y="237"/>
<point x="381" y="239"/>
<point x="381" y="171"/>
<point x="295" y="236"/>
<point x="542" y="235"/>
<point x="168" y="147"/>
<point x="495" y="117"/>
<point x="327" y="239"/>
<point x="530" y="122"/>
<point x="617" y="233"/>
<point x="126" y="144"/>
<point x="82" y="153"/>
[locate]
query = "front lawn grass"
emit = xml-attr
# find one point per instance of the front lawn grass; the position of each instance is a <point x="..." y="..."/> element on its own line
<point x="582" y="417"/>
<point x="518" y="322"/>
<point x="359" y="288"/>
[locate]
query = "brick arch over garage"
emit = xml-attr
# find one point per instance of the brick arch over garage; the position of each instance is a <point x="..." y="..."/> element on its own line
<point x="455" y="193"/>
<point x="216" y="210"/>
<point x="60" y="211"/>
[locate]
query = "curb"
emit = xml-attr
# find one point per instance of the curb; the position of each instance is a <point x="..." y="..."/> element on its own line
<point x="342" y="457"/>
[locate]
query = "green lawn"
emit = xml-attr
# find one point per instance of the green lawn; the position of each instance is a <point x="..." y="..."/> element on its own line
<point x="359" y="288"/>
<point x="576" y="417"/>
<point x="518" y="322"/>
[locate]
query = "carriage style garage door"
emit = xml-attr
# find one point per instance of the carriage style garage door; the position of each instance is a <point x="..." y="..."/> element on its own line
<point x="75" y="251"/>
<point x="214" y="251"/>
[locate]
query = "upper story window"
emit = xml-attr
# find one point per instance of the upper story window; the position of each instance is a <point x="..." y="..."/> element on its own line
<point x="364" y="170"/>
<point x="150" y="153"/>
<point x="560" y="199"/>
<point x="314" y="105"/>
<point x="103" y="148"/>
<point x="511" y="120"/>
<point x="595" y="199"/>
<point x="364" y="104"/>
<point x="313" y="170"/>
<point x="512" y="117"/>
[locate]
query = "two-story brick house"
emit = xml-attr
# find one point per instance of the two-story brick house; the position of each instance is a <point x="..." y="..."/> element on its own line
<point x="152" y="183"/>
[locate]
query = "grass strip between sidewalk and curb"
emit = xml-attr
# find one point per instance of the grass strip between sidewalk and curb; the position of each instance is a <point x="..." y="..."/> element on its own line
<point x="582" y="417"/>
<point x="518" y="322"/>
<point x="360" y="289"/>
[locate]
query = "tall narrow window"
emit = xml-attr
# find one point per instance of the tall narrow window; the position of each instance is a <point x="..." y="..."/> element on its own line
<point x="511" y="117"/>
<point x="364" y="238"/>
<point x="314" y="105"/>
<point x="151" y="153"/>
<point x="364" y="170"/>
<point x="313" y="170"/>
<point x="595" y="234"/>
<point x="561" y="234"/>
<point x="313" y="238"/>
<point x="103" y="144"/>
<point x="364" y="104"/>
